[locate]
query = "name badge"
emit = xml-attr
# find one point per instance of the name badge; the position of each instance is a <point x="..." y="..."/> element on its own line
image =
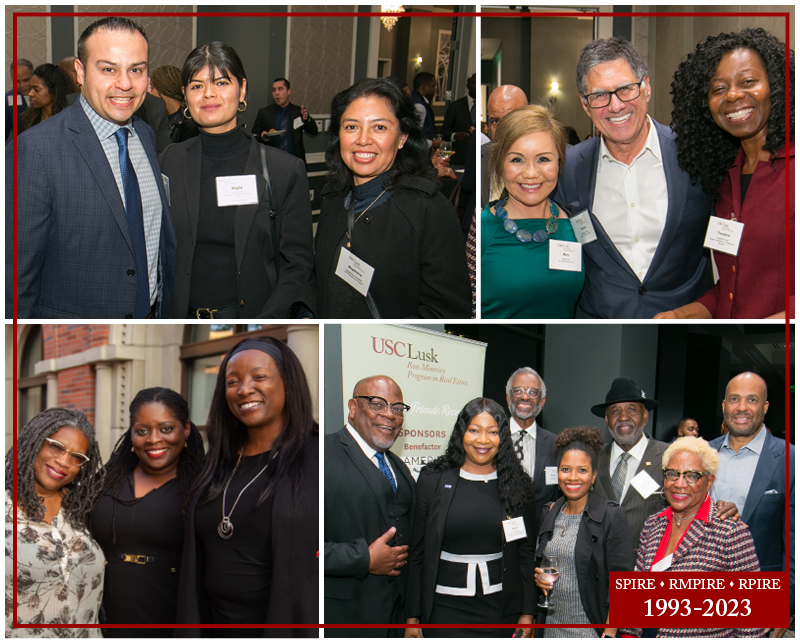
<point x="583" y="228"/>
<point x="662" y="564"/>
<point x="724" y="235"/>
<point x="298" y="122"/>
<point x="551" y="475"/>
<point x="165" y="181"/>
<point x="354" y="271"/>
<point x="565" y="255"/>
<point x="11" y="100"/>
<point x="644" y="484"/>
<point x="515" y="529"/>
<point x="236" y="190"/>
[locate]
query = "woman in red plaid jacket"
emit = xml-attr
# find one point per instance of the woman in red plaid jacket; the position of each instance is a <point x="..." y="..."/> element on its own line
<point x="687" y="537"/>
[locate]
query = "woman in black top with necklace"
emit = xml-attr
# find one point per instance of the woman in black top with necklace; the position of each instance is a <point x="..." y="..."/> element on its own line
<point x="139" y="515"/>
<point x="250" y="555"/>
<point x="241" y="252"/>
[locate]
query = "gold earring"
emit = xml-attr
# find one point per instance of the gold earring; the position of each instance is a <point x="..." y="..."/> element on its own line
<point x="131" y="449"/>
<point x="187" y="114"/>
<point x="241" y="102"/>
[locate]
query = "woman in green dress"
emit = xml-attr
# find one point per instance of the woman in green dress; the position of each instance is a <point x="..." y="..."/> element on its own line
<point x="522" y="230"/>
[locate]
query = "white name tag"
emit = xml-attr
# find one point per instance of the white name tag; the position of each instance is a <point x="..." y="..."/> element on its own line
<point x="724" y="235"/>
<point x="236" y="190"/>
<point x="565" y="255"/>
<point x="662" y="564"/>
<point x="165" y="181"/>
<point x="551" y="475"/>
<point x="354" y="271"/>
<point x="644" y="484"/>
<point x="583" y="228"/>
<point x="515" y="529"/>
<point x="298" y="122"/>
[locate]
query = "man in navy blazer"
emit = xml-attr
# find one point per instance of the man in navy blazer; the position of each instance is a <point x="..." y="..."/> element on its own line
<point x="18" y="97"/>
<point x="752" y="473"/>
<point x="78" y="249"/>
<point x="650" y="221"/>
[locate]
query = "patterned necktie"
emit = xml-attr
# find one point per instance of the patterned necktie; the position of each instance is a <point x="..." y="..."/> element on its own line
<point x="385" y="470"/>
<point x="133" y="212"/>
<point x="518" y="438"/>
<point x="620" y="474"/>
<point x="472" y="114"/>
<point x="283" y="143"/>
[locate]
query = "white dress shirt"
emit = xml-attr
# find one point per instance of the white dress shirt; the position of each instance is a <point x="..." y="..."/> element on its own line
<point x="636" y="453"/>
<point x="528" y="444"/>
<point x="630" y="201"/>
<point x="370" y="452"/>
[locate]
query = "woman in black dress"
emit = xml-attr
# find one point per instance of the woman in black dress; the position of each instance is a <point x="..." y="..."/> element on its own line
<point x="252" y="538"/>
<point x="475" y="517"/>
<point x="138" y="519"/>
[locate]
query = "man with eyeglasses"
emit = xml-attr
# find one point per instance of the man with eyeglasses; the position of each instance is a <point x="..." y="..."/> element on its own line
<point x="648" y="219"/>
<point x="535" y="447"/>
<point x="369" y="500"/>
<point x="752" y="472"/>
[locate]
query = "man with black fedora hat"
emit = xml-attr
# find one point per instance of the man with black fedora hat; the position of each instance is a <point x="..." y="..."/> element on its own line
<point x="629" y="470"/>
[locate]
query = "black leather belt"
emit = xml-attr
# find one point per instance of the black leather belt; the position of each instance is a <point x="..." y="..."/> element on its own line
<point x="226" y="311"/>
<point x="136" y="558"/>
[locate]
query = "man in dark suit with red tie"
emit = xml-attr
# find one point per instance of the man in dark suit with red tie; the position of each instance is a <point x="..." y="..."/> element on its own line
<point x="369" y="504"/>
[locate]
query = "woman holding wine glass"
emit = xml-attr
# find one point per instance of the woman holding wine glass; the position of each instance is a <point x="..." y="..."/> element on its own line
<point x="582" y="538"/>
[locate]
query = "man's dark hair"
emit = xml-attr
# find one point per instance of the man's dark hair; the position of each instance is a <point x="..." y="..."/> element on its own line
<point x="605" y="51"/>
<point x="111" y="23"/>
<point x="21" y="62"/>
<point x="282" y="80"/>
<point x="423" y="78"/>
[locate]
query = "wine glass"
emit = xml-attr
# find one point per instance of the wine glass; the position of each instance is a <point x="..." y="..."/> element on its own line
<point x="445" y="150"/>
<point x="550" y="574"/>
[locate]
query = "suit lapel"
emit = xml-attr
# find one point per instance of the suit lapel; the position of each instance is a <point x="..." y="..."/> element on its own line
<point x="370" y="472"/>
<point x="444" y="496"/>
<point x="650" y="463"/>
<point x="541" y="457"/>
<point x="604" y="474"/>
<point x="766" y="467"/>
<point x="91" y="150"/>
<point x="192" y="159"/>
<point x="245" y="214"/>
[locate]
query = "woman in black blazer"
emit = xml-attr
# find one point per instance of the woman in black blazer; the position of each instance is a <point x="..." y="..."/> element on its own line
<point x="474" y="516"/>
<point x="242" y="252"/>
<point x="589" y="536"/>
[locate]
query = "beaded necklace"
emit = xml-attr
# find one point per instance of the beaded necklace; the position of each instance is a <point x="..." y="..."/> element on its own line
<point x="525" y="236"/>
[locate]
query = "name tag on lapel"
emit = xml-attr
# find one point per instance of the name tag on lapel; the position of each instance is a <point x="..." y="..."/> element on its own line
<point x="644" y="484"/>
<point x="514" y="528"/>
<point x="583" y="228"/>
<point x="236" y="190"/>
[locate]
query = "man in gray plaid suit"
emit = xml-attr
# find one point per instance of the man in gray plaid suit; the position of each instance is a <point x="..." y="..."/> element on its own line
<point x="94" y="237"/>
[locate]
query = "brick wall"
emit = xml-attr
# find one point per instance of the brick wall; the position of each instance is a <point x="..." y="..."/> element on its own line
<point x="76" y="388"/>
<point x="68" y="339"/>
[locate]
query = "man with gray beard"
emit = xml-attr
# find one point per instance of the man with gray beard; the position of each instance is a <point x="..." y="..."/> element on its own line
<point x="535" y="447"/>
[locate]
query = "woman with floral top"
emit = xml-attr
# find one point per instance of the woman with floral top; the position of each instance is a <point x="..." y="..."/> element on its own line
<point x="59" y="566"/>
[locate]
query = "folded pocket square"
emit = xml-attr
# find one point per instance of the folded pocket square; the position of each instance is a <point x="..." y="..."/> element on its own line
<point x="770" y="492"/>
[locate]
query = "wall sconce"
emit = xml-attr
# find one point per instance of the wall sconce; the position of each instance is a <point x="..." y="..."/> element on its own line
<point x="418" y="63"/>
<point x="554" y="86"/>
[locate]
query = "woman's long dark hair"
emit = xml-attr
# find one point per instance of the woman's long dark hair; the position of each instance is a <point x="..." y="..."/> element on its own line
<point x="226" y="435"/>
<point x="515" y="486"/>
<point x="411" y="160"/>
<point x="79" y="494"/>
<point x="215" y="55"/>
<point x="705" y="150"/>
<point x="58" y="85"/>
<point x="123" y="460"/>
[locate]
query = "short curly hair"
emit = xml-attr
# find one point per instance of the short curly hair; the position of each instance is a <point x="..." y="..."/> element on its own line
<point x="588" y="439"/>
<point x="705" y="151"/>
<point x="699" y="447"/>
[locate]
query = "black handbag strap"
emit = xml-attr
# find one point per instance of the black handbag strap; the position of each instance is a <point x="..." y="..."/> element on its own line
<point x="273" y="212"/>
<point x="351" y="217"/>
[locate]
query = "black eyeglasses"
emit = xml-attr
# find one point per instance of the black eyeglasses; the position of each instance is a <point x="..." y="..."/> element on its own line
<point x="625" y="94"/>
<point x="378" y="404"/>
<point x="690" y="476"/>
<point x="533" y="393"/>
<point x="57" y="449"/>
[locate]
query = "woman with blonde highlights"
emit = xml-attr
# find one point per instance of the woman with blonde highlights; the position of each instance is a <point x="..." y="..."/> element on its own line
<point x="523" y="233"/>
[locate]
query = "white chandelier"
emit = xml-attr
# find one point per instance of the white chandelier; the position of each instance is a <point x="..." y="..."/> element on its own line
<point x="389" y="21"/>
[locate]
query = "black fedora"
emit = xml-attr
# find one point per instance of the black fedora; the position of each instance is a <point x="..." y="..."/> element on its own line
<point x="624" y="389"/>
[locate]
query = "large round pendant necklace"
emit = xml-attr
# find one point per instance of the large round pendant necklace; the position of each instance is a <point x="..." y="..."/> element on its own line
<point x="525" y="236"/>
<point x="225" y="527"/>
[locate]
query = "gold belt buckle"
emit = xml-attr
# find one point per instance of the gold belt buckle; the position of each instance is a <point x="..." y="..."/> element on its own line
<point x="210" y="312"/>
<point x="133" y="558"/>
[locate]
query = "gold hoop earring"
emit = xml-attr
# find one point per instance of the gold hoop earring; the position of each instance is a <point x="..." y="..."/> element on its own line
<point x="241" y="102"/>
<point x="187" y="116"/>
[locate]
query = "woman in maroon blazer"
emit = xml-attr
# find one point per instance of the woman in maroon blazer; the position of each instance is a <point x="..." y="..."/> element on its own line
<point x="739" y="156"/>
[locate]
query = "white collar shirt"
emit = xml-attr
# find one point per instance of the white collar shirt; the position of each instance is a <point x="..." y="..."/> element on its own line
<point x="369" y="451"/>
<point x="630" y="201"/>
<point x="636" y="453"/>
<point x="528" y="444"/>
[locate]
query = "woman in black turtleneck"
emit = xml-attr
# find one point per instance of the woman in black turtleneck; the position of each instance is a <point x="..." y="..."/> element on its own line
<point x="226" y="266"/>
<point x="401" y="225"/>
